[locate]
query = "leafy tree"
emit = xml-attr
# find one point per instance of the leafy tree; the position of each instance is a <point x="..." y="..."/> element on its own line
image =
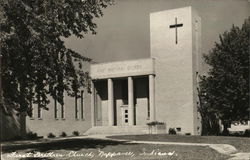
<point x="35" y="62"/>
<point x="225" y="90"/>
<point x="209" y="121"/>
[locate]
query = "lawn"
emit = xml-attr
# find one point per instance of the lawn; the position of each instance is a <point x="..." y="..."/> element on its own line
<point x="241" y="143"/>
<point x="106" y="149"/>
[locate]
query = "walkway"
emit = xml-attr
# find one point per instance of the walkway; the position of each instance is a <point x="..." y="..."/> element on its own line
<point x="221" y="148"/>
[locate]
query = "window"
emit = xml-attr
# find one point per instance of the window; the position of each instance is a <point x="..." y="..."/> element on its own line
<point x="126" y="115"/>
<point x="79" y="111"/>
<point x="32" y="109"/>
<point x="196" y="26"/>
<point x="39" y="114"/>
<point x="76" y="108"/>
<point x="62" y="112"/>
<point x="82" y="105"/>
<point x="55" y="109"/>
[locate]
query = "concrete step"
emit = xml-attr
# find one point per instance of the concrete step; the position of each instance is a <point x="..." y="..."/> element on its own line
<point x="118" y="130"/>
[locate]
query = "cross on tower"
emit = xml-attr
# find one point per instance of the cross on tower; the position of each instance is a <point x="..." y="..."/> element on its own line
<point x="176" y="26"/>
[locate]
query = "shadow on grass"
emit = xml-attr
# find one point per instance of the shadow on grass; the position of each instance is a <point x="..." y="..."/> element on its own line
<point x="32" y="158"/>
<point x="65" y="144"/>
<point x="241" y="143"/>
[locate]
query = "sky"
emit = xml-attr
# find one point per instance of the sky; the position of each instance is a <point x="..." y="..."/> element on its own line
<point x="123" y="32"/>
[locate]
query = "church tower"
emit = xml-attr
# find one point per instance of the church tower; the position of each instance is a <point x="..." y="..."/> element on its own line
<point x="175" y="41"/>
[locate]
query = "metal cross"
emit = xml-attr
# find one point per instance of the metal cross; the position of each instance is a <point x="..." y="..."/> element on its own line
<point x="176" y="26"/>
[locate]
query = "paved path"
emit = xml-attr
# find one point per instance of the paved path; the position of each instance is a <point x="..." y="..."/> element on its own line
<point x="240" y="156"/>
<point x="221" y="148"/>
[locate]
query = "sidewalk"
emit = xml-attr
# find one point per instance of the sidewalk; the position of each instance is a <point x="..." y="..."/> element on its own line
<point x="221" y="148"/>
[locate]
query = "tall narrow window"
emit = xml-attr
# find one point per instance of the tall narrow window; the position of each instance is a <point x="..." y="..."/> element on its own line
<point x="62" y="111"/>
<point x="76" y="108"/>
<point x="39" y="114"/>
<point x="32" y="109"/>
<point x="55" y="109"/>
<point x="82" y="105"/>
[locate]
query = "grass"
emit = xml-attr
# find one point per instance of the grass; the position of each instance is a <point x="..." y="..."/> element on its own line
<point x="82" y="148"/>
<point x="241" y="143"/>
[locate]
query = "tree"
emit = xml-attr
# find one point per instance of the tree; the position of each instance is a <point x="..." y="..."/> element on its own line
<point x="36" y="64"/>
<point x="225" y="90"/>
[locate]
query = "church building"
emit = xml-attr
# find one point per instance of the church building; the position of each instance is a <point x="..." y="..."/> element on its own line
<point x="126" y="95"/>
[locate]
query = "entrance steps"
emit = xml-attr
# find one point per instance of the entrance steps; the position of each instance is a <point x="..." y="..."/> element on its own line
<point x="118" y="130"/>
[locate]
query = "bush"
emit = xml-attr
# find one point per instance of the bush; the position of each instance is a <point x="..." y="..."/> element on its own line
<point x="237" y="134"/>
<point x="17" y="138"/>
<point x="247" y="133"/>
<point x="171" y="131"/>
<point x="63" y="134"/>
<point x="155" y="123"/>
<point x="31" y="135"/>
<point x="51" y="135"/>
<point x="75" y="133"/>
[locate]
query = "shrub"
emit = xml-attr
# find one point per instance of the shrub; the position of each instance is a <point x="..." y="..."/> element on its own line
<point x="51" y="135"/>
<point x="155" y="123"/>
<point x="171" y="131"/>
<point x="247" y="133"/>
<point x="31" y="135"/>
<point x="63" y="134"/>
<point x="75" y="133"/>
<point x="237" y="134"/>
<point x="17" y="138"/>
